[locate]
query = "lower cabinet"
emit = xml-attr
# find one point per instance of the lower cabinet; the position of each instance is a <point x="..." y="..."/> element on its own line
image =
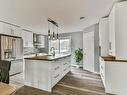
<point x="102" y="70"/>
<point x="45" y="74"/>
<point x="114" y="76"/>
<point x="59" y="69"/>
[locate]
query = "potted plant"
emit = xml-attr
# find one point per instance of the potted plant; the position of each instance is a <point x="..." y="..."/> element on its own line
<point x="78" y="56"/>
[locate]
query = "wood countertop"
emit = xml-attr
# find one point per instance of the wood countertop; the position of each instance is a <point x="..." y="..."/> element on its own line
<point x="48" y="58"/>
<point x="112" y="58"/>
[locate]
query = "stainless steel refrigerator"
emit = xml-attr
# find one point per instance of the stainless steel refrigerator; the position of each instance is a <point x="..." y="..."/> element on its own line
<point x="11" y="49"/>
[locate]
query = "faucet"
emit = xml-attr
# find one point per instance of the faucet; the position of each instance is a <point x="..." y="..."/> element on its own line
<point x="52" y="50"/>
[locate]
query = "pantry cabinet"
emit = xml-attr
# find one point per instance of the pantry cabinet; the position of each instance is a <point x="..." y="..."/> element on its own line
<point x="104" y="36"/>
<point x="118" y="30"/>
<point x="112" y="33"/>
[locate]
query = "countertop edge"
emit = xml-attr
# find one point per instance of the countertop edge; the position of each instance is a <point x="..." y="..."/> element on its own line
<point x="46" y="59"/>
<point x="112" y="58"/>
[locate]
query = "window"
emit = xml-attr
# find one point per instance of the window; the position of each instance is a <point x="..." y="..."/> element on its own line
<point x="65" y="45"/>
<point x="62" y="46"/>
<point x="55" y="44"/>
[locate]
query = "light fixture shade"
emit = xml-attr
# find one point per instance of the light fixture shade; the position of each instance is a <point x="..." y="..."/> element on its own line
<point x="49" y="35"/>
<point x="57" y="36"/>
<point x="53" y="36"/>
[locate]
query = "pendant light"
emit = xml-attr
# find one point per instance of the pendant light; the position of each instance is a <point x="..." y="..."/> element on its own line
<point x="49" y="34"/>
<point x="57" y="36"/>
<point x="52" y="36"/>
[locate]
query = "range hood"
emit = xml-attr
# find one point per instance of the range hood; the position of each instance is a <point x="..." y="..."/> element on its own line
<point x="38" y="40"/>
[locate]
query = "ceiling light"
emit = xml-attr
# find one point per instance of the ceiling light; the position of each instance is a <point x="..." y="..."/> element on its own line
<point x="82" y="17"/>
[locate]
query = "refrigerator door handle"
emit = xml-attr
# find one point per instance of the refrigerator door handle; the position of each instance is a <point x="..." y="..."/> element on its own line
<point x="13" y="49"/>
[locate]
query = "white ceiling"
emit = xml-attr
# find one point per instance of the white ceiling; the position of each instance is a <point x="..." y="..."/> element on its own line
<point x="33" y="14"/>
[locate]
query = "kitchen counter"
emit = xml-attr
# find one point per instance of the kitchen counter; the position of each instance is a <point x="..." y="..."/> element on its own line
<point x="48" y="57"/>
<point x="44" y="72"/>
<point x="113" y="75"/>
<point x="112" y="58"/>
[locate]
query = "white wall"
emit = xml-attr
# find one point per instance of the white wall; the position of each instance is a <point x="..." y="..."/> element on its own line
<point x="104" y="36"/>
<point x="121" y="30"/>
<point x="76" y="42"/>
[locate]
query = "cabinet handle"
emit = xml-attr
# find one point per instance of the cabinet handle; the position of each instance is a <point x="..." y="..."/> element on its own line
<point x="57" y="68"/>
<point x="110" y="45"/>
<point x="101" y="67"/>
<point x="12" y="31"/>
<point x="65" y="69"/>
<point x="65" y="63"/>
<point x="69" y="66"/>
<point x="56" y="76"/>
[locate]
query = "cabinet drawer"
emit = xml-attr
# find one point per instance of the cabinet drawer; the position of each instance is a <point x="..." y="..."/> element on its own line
<point x="65" y="71"/>
<point x="55" y="79"/>
<point x="55" y="65"/>
<point x="56" y="70"/>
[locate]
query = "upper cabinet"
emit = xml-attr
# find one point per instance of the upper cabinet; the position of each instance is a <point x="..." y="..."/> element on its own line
<point x="118" y="30"/>
<point x="112" y="50"/>
<point x="104" y="36"/>
<point x="8" y="29"/>
<point x="27" y="38"/>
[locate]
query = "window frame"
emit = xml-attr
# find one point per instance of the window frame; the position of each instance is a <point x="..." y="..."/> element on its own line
<point x="68" y="37"/>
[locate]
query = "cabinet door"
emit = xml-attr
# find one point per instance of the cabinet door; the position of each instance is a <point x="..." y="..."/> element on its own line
<point x="7" y="29"/>
<point x="121" y="30"/>
<point x="30" y="39"/>
<point x="112" y="34"/>
<point x="88" y="51"/>
<point x="25" y="42"/>
<point x="41" y="40"/>
<point x="104" y="36"/>
<point x="16" y="31"/>
<point x="27" y="38"/>
<point x="1" y="28"/>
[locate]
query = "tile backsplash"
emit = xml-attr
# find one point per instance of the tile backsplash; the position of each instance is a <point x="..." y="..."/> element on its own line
<point x="32" y="50"/>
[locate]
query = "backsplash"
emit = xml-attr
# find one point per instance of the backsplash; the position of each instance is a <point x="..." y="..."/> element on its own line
<point x="32" y="50"/>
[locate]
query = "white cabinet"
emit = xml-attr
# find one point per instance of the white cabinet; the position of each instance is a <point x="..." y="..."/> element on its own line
<point x="104" y="36"/>
<point x="45" y="74"/>
<point x="112" y="33"/>
<point x="102" y="70"/>
<point x="88" y="51"/>
<point x="113" y="74"/>
<point x="118" y="30"/>
<point x="27" y="38"/>
<point x="8" y="29"/>
<point x="16" y="31"/>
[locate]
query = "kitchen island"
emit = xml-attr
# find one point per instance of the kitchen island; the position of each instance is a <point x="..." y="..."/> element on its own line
<point x="44" y="72"/>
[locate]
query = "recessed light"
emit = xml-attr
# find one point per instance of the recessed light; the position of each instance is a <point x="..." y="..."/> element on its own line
<point x="82" y="17"/>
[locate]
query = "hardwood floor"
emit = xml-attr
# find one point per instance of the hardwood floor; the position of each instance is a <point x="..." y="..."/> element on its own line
<point x="17" y="80"/>
<point x="76" y="82"/>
